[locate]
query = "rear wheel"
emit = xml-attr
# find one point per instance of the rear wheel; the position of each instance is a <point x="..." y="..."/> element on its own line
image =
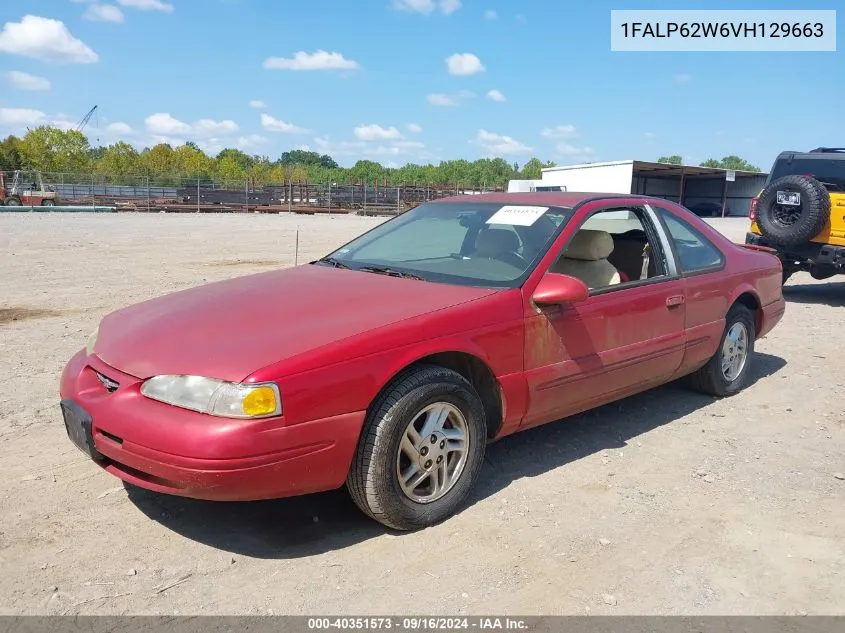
<point x="48" y="203"/>
<point x="726" y="373"/>
<point x="421" y="449"/>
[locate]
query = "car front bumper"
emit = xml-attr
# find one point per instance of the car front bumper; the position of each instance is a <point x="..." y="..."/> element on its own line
<point x="171" y="450"/>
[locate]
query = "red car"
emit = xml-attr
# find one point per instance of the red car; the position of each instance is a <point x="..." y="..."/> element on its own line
<point x="389" y="365"/>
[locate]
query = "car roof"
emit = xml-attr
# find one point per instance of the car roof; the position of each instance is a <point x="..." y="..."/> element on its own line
<point x="551" y="198"/>
<point x="820" y="153"/>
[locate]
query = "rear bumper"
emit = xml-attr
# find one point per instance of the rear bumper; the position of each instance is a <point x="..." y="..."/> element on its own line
<point x="174" y="451"/>
<point x="808" y="253"/>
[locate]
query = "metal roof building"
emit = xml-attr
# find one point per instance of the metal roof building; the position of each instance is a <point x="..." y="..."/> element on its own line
<point x="705" y="190"/>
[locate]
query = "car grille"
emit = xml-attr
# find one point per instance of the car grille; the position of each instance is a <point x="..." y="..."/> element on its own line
<point x="110" y="385"/>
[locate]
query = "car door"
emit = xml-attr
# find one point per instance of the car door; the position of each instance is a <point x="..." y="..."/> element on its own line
<point x="701" y="265"/>
<point x="624" y="338"/>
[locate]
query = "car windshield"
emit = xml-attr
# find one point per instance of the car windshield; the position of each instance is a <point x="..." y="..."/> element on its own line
<point x="487" y="244"/>
<point x="828" y="171"/>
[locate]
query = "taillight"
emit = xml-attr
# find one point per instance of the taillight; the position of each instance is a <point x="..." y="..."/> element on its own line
<point x="752" y="211"/>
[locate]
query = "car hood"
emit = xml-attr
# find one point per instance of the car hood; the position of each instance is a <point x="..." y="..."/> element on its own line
<point x="230" y="329"/>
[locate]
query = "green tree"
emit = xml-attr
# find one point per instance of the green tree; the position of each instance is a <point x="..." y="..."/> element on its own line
<point x="193" y="162"/>
<point x="50" y="149"/>
<point x="671" y="160"/>
<point x="367" y="170"/>
<point x="10" y="153"/>
<point x="243" y="160"/>
<point x="119" y="161"/>
<point x="160" y="163"/>
<point x="532" y="170"/>
<point x="304" y="157"/>
<point x="229" y="169"/>
<point x="731" y="162"/>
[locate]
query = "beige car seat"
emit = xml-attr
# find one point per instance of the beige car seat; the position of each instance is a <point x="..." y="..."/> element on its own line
<point x="586" y="259"/>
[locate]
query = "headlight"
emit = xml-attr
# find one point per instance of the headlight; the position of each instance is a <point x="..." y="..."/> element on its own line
<point x="215" y="397"/>
<point x="92" y="340"/>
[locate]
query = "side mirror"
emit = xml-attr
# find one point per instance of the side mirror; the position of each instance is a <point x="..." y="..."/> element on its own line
<point x="556" y="289"/>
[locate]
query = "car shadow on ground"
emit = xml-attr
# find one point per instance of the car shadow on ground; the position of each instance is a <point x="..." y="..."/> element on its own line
<point x="831" y="293"/>
<point x="316" y="524"/>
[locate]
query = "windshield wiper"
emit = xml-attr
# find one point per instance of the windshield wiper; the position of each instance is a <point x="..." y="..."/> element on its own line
<point x="332" y="262"/>
<point x="380" y="270"/>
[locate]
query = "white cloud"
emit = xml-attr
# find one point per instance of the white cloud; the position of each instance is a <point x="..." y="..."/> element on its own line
<point x="414" y="128"/>
<point x="565" y="149"/>
<point x="318" y="60"/>
<point x="501" y="145"/>
<point x="560" y="131"/>
<point x="521" y="19"/>
<point x="163" y="124"/>
<point x="103" y="13"/>
<point x="427" y="7"/>
<point x="448" y="100"/>
<point x="147" y="5"/>
<point x="490" y="15"/>
<point x="21" y="116"/>
<point x="464" y="64"/>
<point x="377" y="133"/>
<point x="173" y="141"/>
<point x="683" y="78"/>
<point x="209" y="127"/>
<point x="368" y="149"/>
<point x="649" y="135"/>
<point x="448" y="7"/>
<point x="440" y="99"/>
<point x="118" y="128"/>
<point x="495" y="95"/>
<point x="44" y="39"/>
<point x="250" y="143"/>
<point x="25" y="81"/>
<point x="272" y="124"/>
<point x="257" y="104"/>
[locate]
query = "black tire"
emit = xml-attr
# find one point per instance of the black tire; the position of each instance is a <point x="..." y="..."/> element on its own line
<point x="710" y="379"/>
<point x="48" y="203"/>
<point x="793" y="225"/>
<point x="13" y="202"/>
<point x="373" y="481"/>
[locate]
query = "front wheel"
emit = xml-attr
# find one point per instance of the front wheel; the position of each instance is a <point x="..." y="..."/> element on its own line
<point x="48" y="203"/>
<point x="726" y="373"/>
<point x="421" y="449"/>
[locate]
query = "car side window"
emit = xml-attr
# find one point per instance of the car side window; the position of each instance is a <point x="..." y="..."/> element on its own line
<point x="613" y="248"/>
<point x="695" y="252"/>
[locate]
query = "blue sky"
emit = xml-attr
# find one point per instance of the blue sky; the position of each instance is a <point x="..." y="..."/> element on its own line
<point x="219" y="72"/>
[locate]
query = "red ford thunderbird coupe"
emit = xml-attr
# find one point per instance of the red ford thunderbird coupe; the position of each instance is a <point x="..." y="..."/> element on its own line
<point x="389" y="364"/>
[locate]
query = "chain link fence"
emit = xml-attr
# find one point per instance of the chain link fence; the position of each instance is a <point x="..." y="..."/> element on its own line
<point x="186" y="194"/>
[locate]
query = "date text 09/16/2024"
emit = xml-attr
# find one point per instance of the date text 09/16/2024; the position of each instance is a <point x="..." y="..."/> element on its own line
<point x="417" y="623"/>
<point x="722" y="29"/>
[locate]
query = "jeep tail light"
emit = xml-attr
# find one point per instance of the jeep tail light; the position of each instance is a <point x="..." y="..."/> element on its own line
<point x="752" y="211"/>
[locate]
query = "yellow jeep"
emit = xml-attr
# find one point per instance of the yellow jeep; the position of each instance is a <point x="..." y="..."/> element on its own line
<point x="801" y="212"/>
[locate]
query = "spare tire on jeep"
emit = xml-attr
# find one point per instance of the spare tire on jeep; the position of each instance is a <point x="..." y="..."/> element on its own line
<point x="793" y="210"/>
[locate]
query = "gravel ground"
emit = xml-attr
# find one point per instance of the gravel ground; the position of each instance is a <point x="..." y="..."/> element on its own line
<point x="664" y="503"/>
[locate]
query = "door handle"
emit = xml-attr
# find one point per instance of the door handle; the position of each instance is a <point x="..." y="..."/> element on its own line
<point x="674" y="301"/>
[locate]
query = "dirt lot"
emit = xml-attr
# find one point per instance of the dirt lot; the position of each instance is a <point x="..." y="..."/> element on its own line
<point x="665" y="503"/>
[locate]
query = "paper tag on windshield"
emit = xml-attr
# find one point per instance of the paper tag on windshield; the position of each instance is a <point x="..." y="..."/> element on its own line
<point x="517" y="215"/>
